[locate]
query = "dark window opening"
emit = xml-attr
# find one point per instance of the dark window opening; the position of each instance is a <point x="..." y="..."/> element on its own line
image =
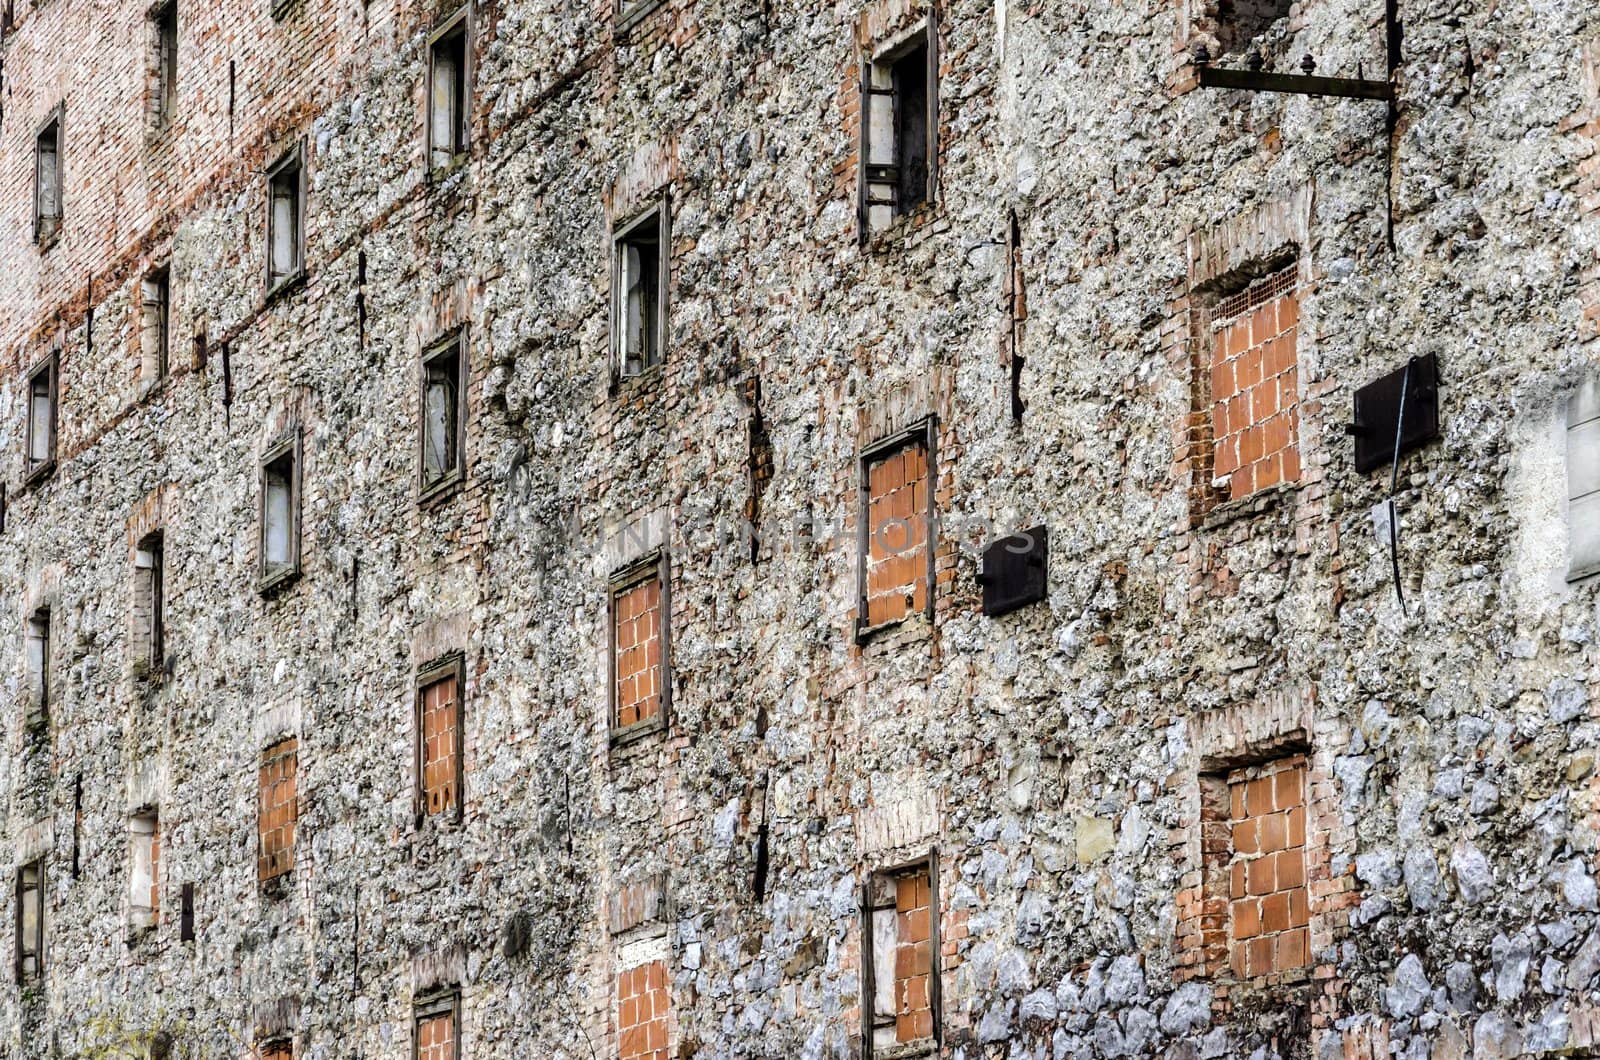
<point x="640" y="271"/>
<point x="280" y="512"/>
<point x="448" y="113"/>
<point x="150" y="607"/>
<point x="1241" y="22"/>
<point x="899" y="127"/>
<point x="443" y="419"/>
<point x="155" y="324"/>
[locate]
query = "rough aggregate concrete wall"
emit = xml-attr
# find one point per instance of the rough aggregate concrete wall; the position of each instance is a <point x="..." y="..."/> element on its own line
<point x="1054" y="757"/>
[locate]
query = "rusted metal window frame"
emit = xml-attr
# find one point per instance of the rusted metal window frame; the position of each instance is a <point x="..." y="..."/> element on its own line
<point x="925" y="431"/>
<point x="896" y="47"/>
<point x="451" y="665"/>
<point x="36" y="865"/>
<point x="657" y="565"/>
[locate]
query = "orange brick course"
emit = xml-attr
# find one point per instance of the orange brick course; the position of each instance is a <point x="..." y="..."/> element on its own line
<point x="913" y="964"/>
<point x="897" y="528"/>
<point x="436" y="1037"/>
<point x="642" y="1001"/>
<point x="638" y="652"/>
<point x="441" y="745"/>
<point x="278" y="811"/>
<point x="1269" y="912"/>
<point x="1255" y="387"/>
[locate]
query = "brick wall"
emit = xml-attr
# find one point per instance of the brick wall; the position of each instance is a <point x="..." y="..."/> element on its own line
<point x="440" y="732"/>
<point x="1268" y="910"/>
<point x="897" y="528"/>
<point x="278" y="808"/>
<point x="913" y="965"/>
<point x="642" y="1001"/>
<point x="436" y="1037"/>
<point x="639" y="677"/>
<point x="1255" y="386"/>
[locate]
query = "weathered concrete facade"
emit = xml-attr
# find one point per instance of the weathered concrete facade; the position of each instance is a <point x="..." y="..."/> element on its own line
<point x="1211" y="661"/>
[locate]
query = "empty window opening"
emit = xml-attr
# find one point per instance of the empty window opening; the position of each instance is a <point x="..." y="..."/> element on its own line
<point x="40" y="440"/>
<point x="899" y="119"/>
<point x="144" y="874"/>
<point x="1583" y="481"/>
<point x="47" y="211"/>
<point x="642" y="1003"/>
<point x="1254" y="386"/>
<point x="1241" y="22"/>
<point x="436" y="1028"/>
<point x="285" y="219"/>
<point x="639" y="265"/>
<point x="901" y="927"/>
<point x="37" y="645"/>
<point x="448" y="112"/>
<point x="443" y="419"/>
<point x="638" y="639"/>
<point x="30" y="921"/>
<point x="1016" y="299"/>
<point x="280" y="512"/>
<point x="164" y="62"/>
<point x="149" y="560"/>
<point x="278" y="809"/>
<point x="155" y="323"/>
<point x="186" y="914"/>
<point x="439" y="759"/>
<point x="897" y="518"/>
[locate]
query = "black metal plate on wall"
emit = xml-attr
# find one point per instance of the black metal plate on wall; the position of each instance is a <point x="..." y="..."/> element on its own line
<point x="1378" y="411"/>
<point x="1015" y="571"/>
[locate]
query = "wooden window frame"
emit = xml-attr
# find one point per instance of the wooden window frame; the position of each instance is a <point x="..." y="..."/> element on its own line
<point x="887" y="53"/>
<point x="45" y="239"/>
<point x="629" y="13"/>
<point x="929" y="864"/>
<point x="49" y="366"/>
<point x="926" y="432"/>
<point x="452" y="665"/>
<point x="655" y="565"/>
<point x="294" y="158"/>
<point x="452" y="346"/>
<point x="659" y="211"/>
<point x="432" y="1004"/>
<point x="288" y="445"/>
<point x="37" y="865"/>
<point x="461" y="141"/>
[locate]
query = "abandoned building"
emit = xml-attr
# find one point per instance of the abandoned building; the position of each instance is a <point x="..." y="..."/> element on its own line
<point x="651" y="529"/>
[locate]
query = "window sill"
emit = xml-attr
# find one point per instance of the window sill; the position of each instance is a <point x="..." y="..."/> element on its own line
<point x="438" y="175"/>
<point x="627" y="20"/>
<point x="276" y="888"/>
<point x="899" y="231"/>
<point x="1249" y="506"/>
<point x="277" y="580"/>
<point x="1583" y="574"/>
<point x="636" y="732"/>
<point x="284" y="284"/>
<point x="39" y="473"/>
<point x="280" y="9"/>
<point x="648" y="378"/>
<point x="49" y="240"/>
<point x="907" y="1050"/>
<point x="867" y="634"/>
<point x="435" y="494"/>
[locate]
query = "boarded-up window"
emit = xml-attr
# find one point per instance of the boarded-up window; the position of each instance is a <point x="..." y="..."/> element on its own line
<point x="1583" y="480"/>
<point x="36" y="644"/>
<point x="640" y="275"/>
<point x="1255" y="389"/>
<point x="1268" y="910"/>
<point x="30" y="921"/>
<point x="436" y="1028"/>
<point x="285" y="218"/>
<point x="898" y="522"/>
<point x="642" y="1003"/>
<point x="638" y="646"/>
<point x="443" y="414"/>
<point x="149" y="607"/>
<point x="278" y="808"/>
<point x="448" y="81"/>
<point x="280" y="511"/>
<point x="902" y="941"/>
<point x="144" y="872"/>
<point x="47" y="211"/>
<point x="439" y="758"/>
<point x="40" y="440"/>
<point x="155" y="323"/>
<point x="899" y="130"/>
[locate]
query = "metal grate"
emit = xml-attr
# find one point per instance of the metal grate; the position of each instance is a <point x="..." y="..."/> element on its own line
<point x="1257" y="294"/>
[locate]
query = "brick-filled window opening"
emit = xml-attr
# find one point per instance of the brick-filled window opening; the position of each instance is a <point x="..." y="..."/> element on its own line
<point x="639" y="646"/>
<point x="642" y="1003"/>
<point x="144" y="873"/>
<point x="278" y="812"/>
<point x="1268" y="910"/>
<point x="155" y="323"/>
<point x="286" y="201"/>
<point x="164" y="63"/>
<point x="36" y="647"/>
<point x="40" y="436"/>
<point x="437" y="1028"/>
<point x="439" y="743"/>
<point x="640" y="276"/>
<point x="901" y="1007"/>
<point x="897" y="519"/>
<point x="277" y="1049"/>
<point x="899" y="130"/>
<point x="47" y="175"/>
<point x="280" y="511"/>
<point x="449" y="113"/>
<point x="444" y="414"/>
<point x="30" y="906"/>
<point x="1583" y="481"/>
<point x="1255" y="419"/>
<point x="149" y="569"/>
